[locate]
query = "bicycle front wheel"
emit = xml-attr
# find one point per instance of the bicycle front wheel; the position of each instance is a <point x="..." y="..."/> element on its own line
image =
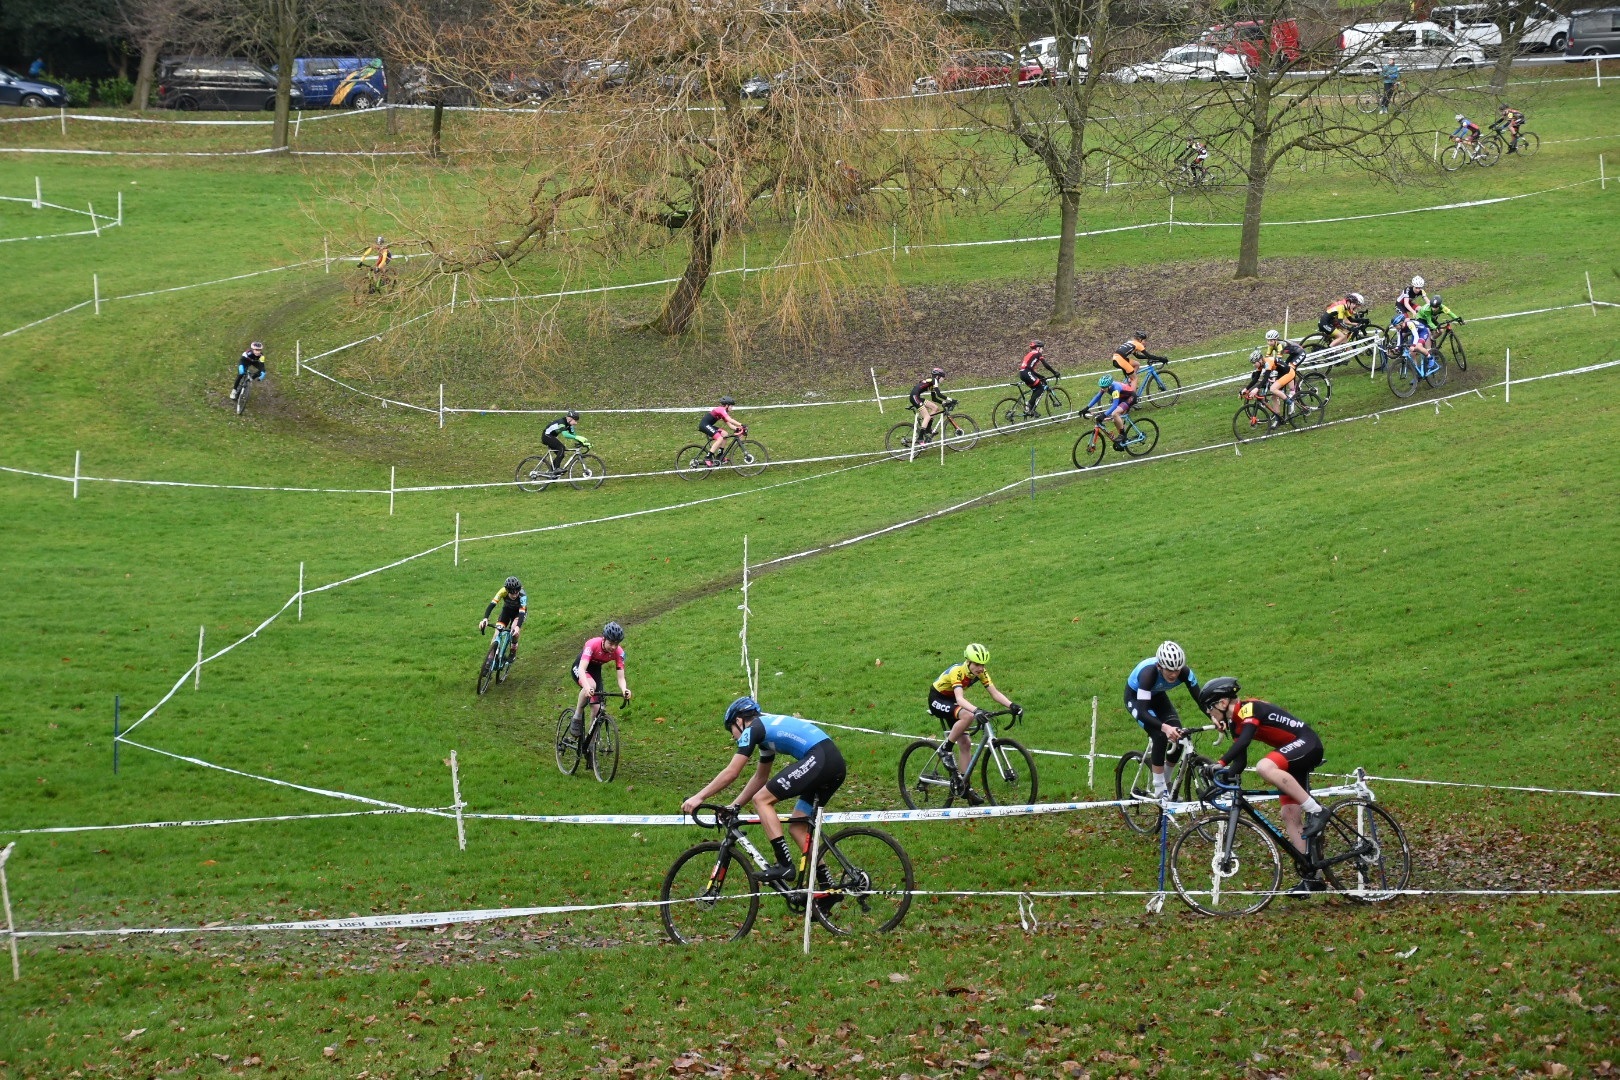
<point x="1454" y="159"/>
<point x="1453" y="350"/>
<point x="242" y="396"/>
<point x="1142" y="437"/>
<point x="1251" y="422"/>
<point x="1434" y="369"/>
<point x="692" y="462"/>
<point x="486" y="673"/>
<point x="925" y="782"/>
<point x="531" y="473"/>
<point x="1055" y="400"/>
<point x="1162" y="390"/>
<point x="868" y="882"/>
<point x="1008" y="773"/>
<point x="586" y="472"/>
<point x="749" y="457"/>
<point x="1403" y="377"/>
<point x="503" y="665"/>
<point x="1090" y="448"/>
<point x="1365" y="852"/>
<point x="964" y="432"/>
<point x="564" y="743"/>
<point x="1220" y="874"/>
<point x="1133" y="779"/>
<point x="1008" y="412"/>
<point x="604" y="750"/>
<point x="1374" y="359"/>
<point x="709" y="895"/>
<point x="1367" y="103"/>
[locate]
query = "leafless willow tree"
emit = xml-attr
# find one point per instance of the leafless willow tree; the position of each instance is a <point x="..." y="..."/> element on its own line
<point x="693" y="124"/>
<point x="1514" y="19"/>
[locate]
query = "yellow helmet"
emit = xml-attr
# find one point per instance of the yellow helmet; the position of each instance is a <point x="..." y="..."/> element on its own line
<point x="977" y="654"/>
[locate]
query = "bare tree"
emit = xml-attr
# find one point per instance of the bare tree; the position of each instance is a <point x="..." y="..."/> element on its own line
<point x="278" y="32"/>
<point x="153" y="26"/>
<point x="1513" y="19"/>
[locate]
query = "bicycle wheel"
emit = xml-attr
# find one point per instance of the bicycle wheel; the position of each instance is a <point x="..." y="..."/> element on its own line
<point x="1454" y="350"/>
<point x="1367" y="103"/>
<point x="748" y="457"/>
<point x="964" y="432"/>
<point x="1055" y="400"/>
<point x="564" y="743"/>
<point x="1310" y="407"/>
<point x="925" y="782"/>
<point x="1403" y="377"/>
<point x="586" y="472"/>
<point x="1133" y="779"/>
<point x="869" y="882"/>
<point x="1161" y="390"/>
<point x="604" y="749"/>
<point x="1214" y="177"/>
<point x="531" y="473"/>
<point x="1141" y="437"/>
<point x="1454" y="159"/>
<point x="1435" y="370"/>
<point x="1008" y="773"/>
<point x="486" y="673"/>
<point x="1313" y="343"/>
<point x="1090" y="448"/>
<point x="1215" y="880"/>
<point x="898" y="440"/>
<point x="690" y="463"/>
<point x="1529" y="143"/>
<point x="1319" y="383"/>
<point x="1374" y="360"/>
<point x="709" y="895"/>
<point x="1252" y="421"/>
<point x="1488" y="154"/>
<point x="242" y="396"/>
<point x="1009" y="411"/>
<point x="1366" y="852"/>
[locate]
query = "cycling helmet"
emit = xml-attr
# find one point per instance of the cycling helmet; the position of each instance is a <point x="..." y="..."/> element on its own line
<point x="938" y="373"/>
<point x="1140" y="335"/>
<point x="1460" y="118"/>
<point x="1356" y="298"/>
<point x="257" y="346"/>
<point x="1170" y="657"/>
<point x="977" y="653"/>
<point x="513" y="585"/>
<point x="1257" y="355"/>
<point x="1215" y="690"/>
<point x="1037" y="344"/>
<point x="573" y="414"/>
<point x="1417" y="282"/>
<point x="381" y="242"/>
<point x="1435" y="301"/>
<point x="1105" y="381"/>
<point x="1272" y="335"/>
<point x="728" y="400"/>
<point x="744" y="707"/>
<point x="613" y="632"/>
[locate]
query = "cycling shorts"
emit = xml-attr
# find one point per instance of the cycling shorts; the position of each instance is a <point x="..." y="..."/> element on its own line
<point x="1327" y="325"/>
<point x="812" y="780"/>
<point x="1030" y="378"/>
<point x="594" y="670"/>
<point x="1283" y="380"/>
<point x="508" y="616"/>
<point x="1121" y="407"/>
<point x="1298" y="758"/>
<point x="1159" y="710"/>
<point x="942" y="706"/>
<point x="553" y="443"/>
<point x="707" y="426"/>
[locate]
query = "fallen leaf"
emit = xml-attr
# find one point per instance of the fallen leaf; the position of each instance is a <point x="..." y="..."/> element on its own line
<point x="135" y="1033"/>
<point x="899" y="977"/>
<point x="329" y="1052"/>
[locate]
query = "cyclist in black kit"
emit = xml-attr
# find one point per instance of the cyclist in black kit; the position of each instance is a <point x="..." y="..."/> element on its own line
<point x="252" y="358"/>
<point x="929" y="399"/>
<point x="1032" y="378"/>
<point x="558" y="430"/>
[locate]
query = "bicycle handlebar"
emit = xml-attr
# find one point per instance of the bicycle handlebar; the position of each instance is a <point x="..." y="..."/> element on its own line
<point x="983" y="715"/>
<point x="722" y="815"/>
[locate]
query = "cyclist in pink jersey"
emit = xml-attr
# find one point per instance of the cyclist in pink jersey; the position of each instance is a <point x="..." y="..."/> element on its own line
<point x="587" y="670"/>
<point x="710" y="423"/>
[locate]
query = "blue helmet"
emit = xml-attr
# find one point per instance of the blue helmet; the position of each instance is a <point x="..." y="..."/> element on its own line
<point x="744" y="706"/>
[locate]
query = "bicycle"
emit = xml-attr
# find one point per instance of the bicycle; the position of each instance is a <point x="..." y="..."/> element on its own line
<point x="1152" y="388"/>
<point x="580" y="468"/>
<point x="864" y="883"/>
<point x="1140" y="437"/>
<point x="1228" y="862"/>
<point x="1304" y="408"/>
<point x="242" y="393"/>
<point x="498" y="661"/>
<point x="1184" y="177"/>
<point x="598" y="743"/>
<point x="929" y="777"/>
<point x="1373" y="101"/>
<point x="745" y="457"/>
<point x="1482" y="153"/>
<point x="962" y="433"/>
<point x="1406" y="372"/>
<point x="1360" y="330"/>
<point x="1450" y="345"/>
<point x="1528" y="143"/>
<point x="1015" y="410"/>
<point x="1133" y="780"/>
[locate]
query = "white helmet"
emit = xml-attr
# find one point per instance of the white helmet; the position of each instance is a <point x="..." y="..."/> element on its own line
<point x="1460" y="118"/>
<point x="1170" y="657"/>
<point x="1272" y="335"/>
<point x="1417" y="282"/>
<point x="1357" y="298"/>
<point x="1257" y="355"/>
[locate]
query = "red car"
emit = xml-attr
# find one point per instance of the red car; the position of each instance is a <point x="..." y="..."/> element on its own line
<point x="984" y="67"/>
<point x="1256" y="41"/>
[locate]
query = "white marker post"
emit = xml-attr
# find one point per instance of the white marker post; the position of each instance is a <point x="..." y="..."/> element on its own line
<point x="1108" y="175"/>
<point x="456" y="546"/>
<point x="1603" y="181"/>
<point x="1172" y="215"/>
<point x="810" y="881"/>
<point x="1091" y="758"/>
<point x="326" y="253"/>
<point x="876" y="393"/>
<point x="120" y="208"/>
<point x="297" y="120"/>
<point x="455" y="286"/>
<point x="76" y="474"/>
<point x="1507" y="378"/>
<point x="743" y="607"/>
<point x="94" y="224"/>
<point x="390" y="491"/>
<point x="1286" y="310"/>
<point x="95" y="291"/>
<point x="39" y="200"/>
<point x="11" y="927"/>
<point x="298" y="357"/>
<point x="64" y="109"/>
<point x="455" y="792"/>
<point x="196" y="683"/>
<point x="1590" y="298"/>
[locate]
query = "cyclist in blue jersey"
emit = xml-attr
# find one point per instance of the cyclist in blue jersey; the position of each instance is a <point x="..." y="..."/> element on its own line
<point x="1147" y="698"/>
<point x="813" y="778"/>
<point x="1119" y="398"/>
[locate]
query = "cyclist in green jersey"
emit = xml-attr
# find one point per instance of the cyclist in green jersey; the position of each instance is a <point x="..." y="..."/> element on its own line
<point x="558" y="430"/>
<point x="1434" y="312"/>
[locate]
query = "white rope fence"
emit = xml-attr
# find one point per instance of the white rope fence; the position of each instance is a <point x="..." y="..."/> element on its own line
<point x="98" y="222"/>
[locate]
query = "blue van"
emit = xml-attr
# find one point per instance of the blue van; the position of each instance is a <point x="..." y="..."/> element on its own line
<point x="340" y="82"/>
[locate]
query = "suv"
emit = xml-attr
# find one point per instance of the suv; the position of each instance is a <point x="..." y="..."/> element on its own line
<point x="209" y="82"/>
<point x="18" y="89"/>
<point x="1594" y="32"/>
<point x="1544" y="28"/>
<point x="1044" y="51"/>
<point x="340" y="81"/>
<point x="1409" y="44"/>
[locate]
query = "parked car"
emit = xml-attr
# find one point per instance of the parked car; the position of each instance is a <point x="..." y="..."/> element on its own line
<point x="1409" y="44"/>
<point x="1185" y="62"/>
<point x="1594" y="32"/>
<point x="1044" y="52"/>
<point x="1545" y="29"/>
<point x="982" y="67"/>
<point x="34" y="93"/>
<point x="212" y="82"/>
<point x="338" y="82"/>
<point x="1258" y="42"/>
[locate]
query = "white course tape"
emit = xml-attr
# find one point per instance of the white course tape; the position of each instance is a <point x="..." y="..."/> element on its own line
<point x="1496" y="787"/>
<point x="210" y="822"/>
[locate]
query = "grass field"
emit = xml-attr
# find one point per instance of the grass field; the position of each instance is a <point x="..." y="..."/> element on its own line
<point x="1432" y="590"/>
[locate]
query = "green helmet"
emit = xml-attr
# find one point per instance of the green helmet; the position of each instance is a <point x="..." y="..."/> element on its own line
<point x="977" y="654"/>
<point x="1106" y="381"/>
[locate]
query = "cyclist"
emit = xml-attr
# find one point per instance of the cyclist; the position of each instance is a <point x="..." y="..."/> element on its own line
<point x="558" y="430"/>
<point x="1406" y="308"/>
<point x="947" y="700"/>
<point x="710" y="423"/>
<point x="1032" y="378"/>
<point x="1420" y="343"/>
<point x="1134" y="349"/>
<point x="1511" y="119"/>
<point x="1434" y="311"/>
<point x="1295" y="751"/>
<point x="813" y="779"/>
<point x="1195" y="154"/>
<point x="1467" y="131"/>
<point x="375" y="260"/>
<point x="1121" y="397"/>
<point x="253" y="358"/>
<point x="1147" y="699"/>
<point x="928" y="398"/>
<point x="1340" y="319"/>
<point x="1391" y="73"/>
<point x="1277" y="370"/>
<point x="587" y="670"/>
<point x="514" y="609"/>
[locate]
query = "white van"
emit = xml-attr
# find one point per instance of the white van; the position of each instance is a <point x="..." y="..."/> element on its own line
<point x="1412" y="45"/>
<point x="1044" y="51"/>
<point x="1544" y="29"/>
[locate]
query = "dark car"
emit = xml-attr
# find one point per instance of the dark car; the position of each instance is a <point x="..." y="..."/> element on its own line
<point x="1594" y="32"/>
<point x="18" y="89"/>
<point x="207" y="82"/>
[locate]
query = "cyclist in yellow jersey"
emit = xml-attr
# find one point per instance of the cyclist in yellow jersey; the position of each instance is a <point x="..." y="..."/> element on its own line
<point x="374" y="260"/>
<point x="948" y="702"/>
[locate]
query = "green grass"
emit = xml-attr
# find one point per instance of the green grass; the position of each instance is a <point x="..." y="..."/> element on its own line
<point x="1428" y="590"/>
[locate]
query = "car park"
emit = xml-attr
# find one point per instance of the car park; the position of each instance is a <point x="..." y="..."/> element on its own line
<point x="1594" y="32"/>
<point x="1258" y="42"/>
<point x="215" y="82"/>
<point x="982" y="68"/>
<point x="1367" y="46"/>
<point x="1184" y="63"/>
<point x="33" y="93"/>
<point x="339" y="82"/>
<point x="1544" y="29"/>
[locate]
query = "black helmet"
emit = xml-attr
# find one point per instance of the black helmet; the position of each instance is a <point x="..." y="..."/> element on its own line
<point x="1037" y="344"/>
<point x="573" y="414"/>
<point x="728" y="400"/>
<point x="1435" y="301"/>
<point x="613" y="632"/>
<point x="938" y="373"/>
<point x="513" y="585"/>
<point x="1215" y="690"/>
<point x="1140" y="335"/>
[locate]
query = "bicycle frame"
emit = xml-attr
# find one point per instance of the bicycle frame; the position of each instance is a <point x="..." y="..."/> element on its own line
<point x="987" y="744"/>
<point x="1188" y="758"/>
<point x="1307" y="862"/>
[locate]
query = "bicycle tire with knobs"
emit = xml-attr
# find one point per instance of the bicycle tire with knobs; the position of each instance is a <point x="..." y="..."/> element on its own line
<point x="1091" y="447"/>
<point x="563" y="744"/>
<point x="966" y="435"/>
<point x="1403" y="377"/>
<point x="1453" y="348"/>
<point x="1132" y="777"/>
<point x="1150" y="437"/>
<point x="927" y="783"/>
<point x="1252" y="421"/>
<point x="875" y="877"/>
<point x="1240" y="884"/>
<point x="1162" y="397"/>
<point x="1008" y="413"/>
<point x="1381" y="871"/>
<point x="532" y="474"/>
<point x="1366" y="104"/>
<point x="1455" y="158"/>
<point x="898" y="440"/>
<point x="715" y="897"/>
<point x="1529" y="143"/>
<point x="242" y="396"/>
<point x="486" y="673"/>
<point x="586" y="472"/>
<point x="503" y="666"/>
<point x="1319" y="383"/>
<point x="604" y="750"/>
<point x="1310" y="408"/>
<point x="748" y="457"/>
<point x="1489" y="154"/>
<point x="1002" y="783"/>
<point x="689" y="462"/>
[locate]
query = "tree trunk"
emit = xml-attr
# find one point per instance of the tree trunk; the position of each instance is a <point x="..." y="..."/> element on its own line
<point x="144" y="73"/>
<point x="278" y="133"/>
<point x="1063" y="287"/>
<point x="1505" y="56"/>
<point x="682" y="305"/>
<point x="438" y="125"/>
<point x="1259" y="171"/>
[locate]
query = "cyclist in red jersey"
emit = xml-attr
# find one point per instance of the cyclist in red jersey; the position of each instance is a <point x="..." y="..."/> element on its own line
<point x="710" y="423"/>
<point x="587" y="670"/>
<point x="1296" y="751"/>
<point x="1036" y="356"/>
